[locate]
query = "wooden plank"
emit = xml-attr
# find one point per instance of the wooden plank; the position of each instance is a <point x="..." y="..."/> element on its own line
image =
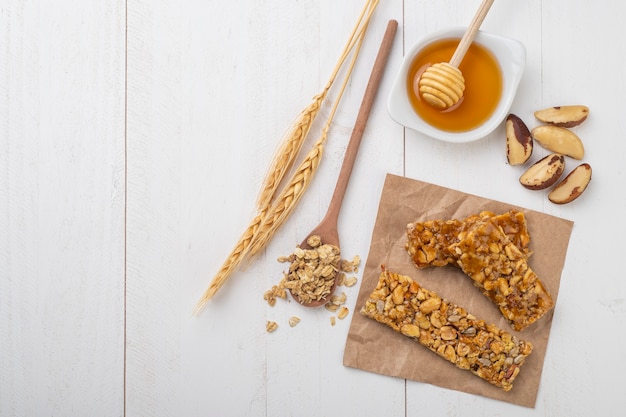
<point x="307" y="360"/>
<point x="582" y="62"/>
<point x="61" y="208"/>
<point x="211" y="91"/>
<point x="153" y="146"/>
<point x="563" y="52"/>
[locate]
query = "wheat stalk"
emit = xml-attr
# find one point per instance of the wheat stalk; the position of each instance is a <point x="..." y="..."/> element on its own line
<point x="289" y="149"/>
<point x="270" y="216"/>
<point x="289" y="197"/>
<point x="292" y="142"/>
<point x="233" y="260"/>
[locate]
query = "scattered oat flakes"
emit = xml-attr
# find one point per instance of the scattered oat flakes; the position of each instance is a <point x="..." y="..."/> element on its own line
<point x="341" y="278"/>
<point x="331" y="307"/>
<point x="339" y="299"/>
<point x="351" y="266"/>
<point x="310" y="277"/>
<point x="276" y="291"/>
<point x="343" y="313"/>
<point x="270" y="326"/>
<point x="312" y="271"/>
<point x="350" y="282"/>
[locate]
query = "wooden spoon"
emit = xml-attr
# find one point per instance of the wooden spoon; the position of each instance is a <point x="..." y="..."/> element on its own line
<point x="327" y="229"/>
<point x="442" y="84"/>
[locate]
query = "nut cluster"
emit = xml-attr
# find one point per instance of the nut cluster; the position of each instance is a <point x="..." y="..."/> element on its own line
<point x="554" y="135"/>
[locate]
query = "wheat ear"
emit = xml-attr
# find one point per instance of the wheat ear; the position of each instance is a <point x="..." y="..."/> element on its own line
<point x="291" y="144"/>
<point x="289" y="197"/>
<point x="289" y="148"/>
<point x="246" y="241"/>
<point x="231" y="263"/>
<point x="292" y="193"/>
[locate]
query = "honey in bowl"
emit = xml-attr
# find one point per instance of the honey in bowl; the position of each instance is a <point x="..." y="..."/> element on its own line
<point x="483" y="86"/>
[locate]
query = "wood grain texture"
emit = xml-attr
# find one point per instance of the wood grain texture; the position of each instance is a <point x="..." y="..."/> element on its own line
<point x="61" y="208"/>
<point x="134" y="136"/>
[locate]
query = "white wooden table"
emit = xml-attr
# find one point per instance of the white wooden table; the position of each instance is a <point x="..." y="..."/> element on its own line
<point x="134" y="136"/>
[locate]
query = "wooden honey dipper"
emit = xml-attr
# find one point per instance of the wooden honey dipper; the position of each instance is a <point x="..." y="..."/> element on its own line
<point x="442" y="84"/>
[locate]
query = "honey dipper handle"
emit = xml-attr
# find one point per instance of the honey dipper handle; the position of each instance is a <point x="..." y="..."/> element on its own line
<point x="470" y="33"/>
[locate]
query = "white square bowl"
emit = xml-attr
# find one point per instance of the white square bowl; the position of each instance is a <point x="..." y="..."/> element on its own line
<point x="510" y="55"/>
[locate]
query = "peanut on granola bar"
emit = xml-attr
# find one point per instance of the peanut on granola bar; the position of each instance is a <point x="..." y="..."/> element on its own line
<point x="447" y="329"/>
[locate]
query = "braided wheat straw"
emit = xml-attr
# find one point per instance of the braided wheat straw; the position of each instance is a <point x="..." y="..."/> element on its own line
<point x="234" y="259"/>
<point x="272" y="215"/>
<point x="292" y="142"/>
<point x="289" y="197"/>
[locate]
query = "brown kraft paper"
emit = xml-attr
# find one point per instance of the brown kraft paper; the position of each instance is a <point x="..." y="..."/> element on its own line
<point x="374" y="347"/>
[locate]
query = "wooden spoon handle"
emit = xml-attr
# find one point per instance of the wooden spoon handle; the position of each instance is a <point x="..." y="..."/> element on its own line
<point x="470" y="33"/>
<point x="361" y="121"/>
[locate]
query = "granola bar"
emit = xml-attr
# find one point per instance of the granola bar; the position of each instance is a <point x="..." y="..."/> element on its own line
<point x="501" y="271"/>
<point x="428" y="242"/>
<point x="447" y="329"/>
